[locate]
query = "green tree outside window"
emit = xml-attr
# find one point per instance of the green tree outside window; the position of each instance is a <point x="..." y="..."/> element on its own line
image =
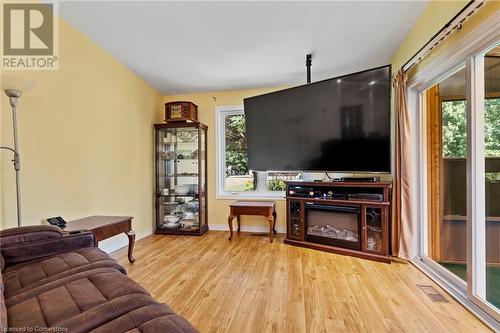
<point x="454" y="131"/>
<point x="454" y="126"/>
<point x="236" y="146"/>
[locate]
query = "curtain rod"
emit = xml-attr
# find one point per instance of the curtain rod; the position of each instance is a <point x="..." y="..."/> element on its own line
<point x="454" y="24"/>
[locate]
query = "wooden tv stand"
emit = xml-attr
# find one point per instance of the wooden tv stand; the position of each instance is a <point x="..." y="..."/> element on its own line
<point x="350" y="218"/>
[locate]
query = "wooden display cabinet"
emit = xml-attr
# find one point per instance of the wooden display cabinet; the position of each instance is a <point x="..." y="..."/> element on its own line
<point x="181" y="178"/>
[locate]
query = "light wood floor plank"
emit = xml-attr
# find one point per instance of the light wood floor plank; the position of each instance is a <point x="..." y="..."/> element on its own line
<point x="251" y="285"/>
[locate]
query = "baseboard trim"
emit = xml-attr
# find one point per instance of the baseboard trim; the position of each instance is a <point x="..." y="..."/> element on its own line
<point x="250" y="228"/>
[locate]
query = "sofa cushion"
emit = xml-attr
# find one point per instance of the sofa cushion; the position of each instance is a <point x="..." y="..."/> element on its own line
<point x="35" y="291"/>
<point x="22" y="277"/>
<point x="109" y="291"/>
<point x="151" y="318"/>
<point x="104" y="297"/>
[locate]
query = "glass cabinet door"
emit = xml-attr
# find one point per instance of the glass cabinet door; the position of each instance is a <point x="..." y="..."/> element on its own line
<point x="373" y="229"/>
<point x="203" y="177"/>
<point x="181" y="179"/>
<point x="295" y="220"/>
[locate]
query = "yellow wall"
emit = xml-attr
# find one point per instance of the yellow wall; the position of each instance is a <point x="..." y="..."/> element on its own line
<point x="481" y="15"/>
<point x="434" y="17"/>
<point x="86" y="139"/>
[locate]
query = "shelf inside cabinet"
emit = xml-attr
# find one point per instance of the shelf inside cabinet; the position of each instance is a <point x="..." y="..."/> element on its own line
<point x="171" y="143"/>
<point x="177" y="159"/>
<point x="190" y="195"/>
<point x="192" y="231"/>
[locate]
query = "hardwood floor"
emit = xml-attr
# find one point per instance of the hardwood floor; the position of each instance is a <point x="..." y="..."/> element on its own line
<point x="251" y="285"/>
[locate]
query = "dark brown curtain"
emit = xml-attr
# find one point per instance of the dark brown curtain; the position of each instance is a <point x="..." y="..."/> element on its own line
<point x="401" y="226"/>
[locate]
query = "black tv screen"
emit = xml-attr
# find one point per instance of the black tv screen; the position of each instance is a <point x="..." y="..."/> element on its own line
<point x="339" y="124"/>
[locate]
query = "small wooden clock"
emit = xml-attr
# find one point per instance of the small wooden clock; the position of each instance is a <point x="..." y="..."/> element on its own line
<point x="181" y="111"/>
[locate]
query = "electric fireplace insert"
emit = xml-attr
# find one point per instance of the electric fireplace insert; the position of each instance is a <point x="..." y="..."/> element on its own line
<point x="336" y="225"/>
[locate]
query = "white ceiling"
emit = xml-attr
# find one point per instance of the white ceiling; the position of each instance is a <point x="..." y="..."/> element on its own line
<point x="182" y="47"/>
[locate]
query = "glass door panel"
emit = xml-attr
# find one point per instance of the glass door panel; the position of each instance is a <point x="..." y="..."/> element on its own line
<point x="373" y="220"/>
<point x="492" y="174"/>
<point x="447" y="185"/>
<point x="178" y="162"/>
<point x="203" y="177"/>
<point x="296" y="219"/>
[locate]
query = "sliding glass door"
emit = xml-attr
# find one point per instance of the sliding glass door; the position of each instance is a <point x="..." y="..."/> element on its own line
<point x="484" y="201"/>
<point x="462" y="232"/>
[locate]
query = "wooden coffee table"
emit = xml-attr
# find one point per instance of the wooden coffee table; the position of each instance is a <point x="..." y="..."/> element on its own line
<point x="105" y="227"/>
<point x="261" y="208"/>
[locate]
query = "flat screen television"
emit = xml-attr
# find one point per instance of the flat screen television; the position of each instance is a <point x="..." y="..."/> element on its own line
<point x="341" y="125"/>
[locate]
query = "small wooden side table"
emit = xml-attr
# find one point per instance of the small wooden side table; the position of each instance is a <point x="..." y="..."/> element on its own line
<point x="104" y="227"/>
<point x="261" y="208"/>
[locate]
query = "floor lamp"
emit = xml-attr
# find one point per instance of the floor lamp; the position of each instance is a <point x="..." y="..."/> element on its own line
<point x="14" y="87"/>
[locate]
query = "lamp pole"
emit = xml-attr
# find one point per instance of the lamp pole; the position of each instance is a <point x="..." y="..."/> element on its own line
<point x="14" y="95"/>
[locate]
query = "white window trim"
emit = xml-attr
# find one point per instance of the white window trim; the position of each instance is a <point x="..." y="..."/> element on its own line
<point x="474" y="43"/>
<point x="260" y="193"/>
<point x="476" y="217"/>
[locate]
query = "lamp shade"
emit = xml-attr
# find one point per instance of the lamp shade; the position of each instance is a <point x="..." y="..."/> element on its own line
<point x="16" y="83"/>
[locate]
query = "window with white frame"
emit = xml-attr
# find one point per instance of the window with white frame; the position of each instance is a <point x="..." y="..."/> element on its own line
<point x="234" y="177"/>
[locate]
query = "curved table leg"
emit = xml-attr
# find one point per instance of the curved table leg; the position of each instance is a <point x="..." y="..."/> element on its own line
<point x="270" y="219"/>
<point x="274" y="222"/>
<point x="230" y="223"/>
<point x="131" y="240"/>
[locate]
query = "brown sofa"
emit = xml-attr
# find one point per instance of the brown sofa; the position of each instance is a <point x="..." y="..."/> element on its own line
<point x="62" y="282"/>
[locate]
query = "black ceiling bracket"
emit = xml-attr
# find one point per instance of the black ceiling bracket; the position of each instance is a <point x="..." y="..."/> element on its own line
<point x="308" y="65"/>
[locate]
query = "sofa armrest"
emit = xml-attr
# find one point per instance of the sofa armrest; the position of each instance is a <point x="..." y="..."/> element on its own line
<point x="29" y="233"/>
<point x="22" y="244"/>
